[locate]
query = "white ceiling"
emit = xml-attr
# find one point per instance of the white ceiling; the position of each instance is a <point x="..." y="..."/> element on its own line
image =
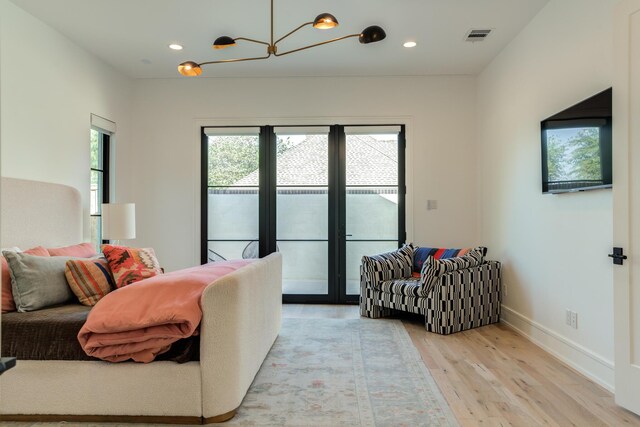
<point x="132" y="35"/>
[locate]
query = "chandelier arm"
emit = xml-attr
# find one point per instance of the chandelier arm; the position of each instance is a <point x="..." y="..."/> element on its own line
<point x="251" y="40"/>
<point x="291" y="32"/>
<point x="222" y="61"/>
<point x="317" y="44"/>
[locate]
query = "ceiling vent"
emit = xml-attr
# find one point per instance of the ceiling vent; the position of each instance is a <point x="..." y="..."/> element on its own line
<point x="477" y="35"/>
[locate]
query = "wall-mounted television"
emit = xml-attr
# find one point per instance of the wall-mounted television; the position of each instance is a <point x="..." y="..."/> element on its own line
<point x="576" y="147"/>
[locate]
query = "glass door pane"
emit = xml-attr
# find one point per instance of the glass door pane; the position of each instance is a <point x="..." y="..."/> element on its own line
<point x="96" y="195"/>
<point x="232" y="197"/>
<point x="372" y="178"/>
<point x="302" y="210"/>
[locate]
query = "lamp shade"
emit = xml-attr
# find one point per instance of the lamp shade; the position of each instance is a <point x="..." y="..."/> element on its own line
<point x="118" y="221"/>
<point x="324" y="21"/>
<point x="223" y="42"/>
<point x="372" y="34"/>
<point x="189" y="69"/>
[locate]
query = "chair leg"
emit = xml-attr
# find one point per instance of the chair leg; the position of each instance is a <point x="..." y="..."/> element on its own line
<point x="368" y="308"/>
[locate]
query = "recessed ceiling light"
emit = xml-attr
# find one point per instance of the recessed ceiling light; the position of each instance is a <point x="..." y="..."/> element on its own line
<point x="175" y="46"/>
<point x="409" y="44"/>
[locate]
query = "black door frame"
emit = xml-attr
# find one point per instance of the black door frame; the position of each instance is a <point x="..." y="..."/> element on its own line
<point x="343" y="297"/>
<point x="337" y="282"/>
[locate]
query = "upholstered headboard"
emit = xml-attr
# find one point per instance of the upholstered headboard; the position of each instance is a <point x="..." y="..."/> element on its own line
<point x="39" y="213"/>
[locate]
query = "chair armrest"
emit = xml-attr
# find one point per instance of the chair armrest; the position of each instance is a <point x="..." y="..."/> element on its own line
<point x="485" y="278"/>
<point x="465" y="299"/>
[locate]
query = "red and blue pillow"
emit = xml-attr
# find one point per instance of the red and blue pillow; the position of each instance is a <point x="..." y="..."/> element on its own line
<point x="420" y="255"/>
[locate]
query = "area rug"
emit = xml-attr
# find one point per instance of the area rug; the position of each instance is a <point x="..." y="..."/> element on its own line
<point x="337" y="373"/>
<point x="343" y="372"/>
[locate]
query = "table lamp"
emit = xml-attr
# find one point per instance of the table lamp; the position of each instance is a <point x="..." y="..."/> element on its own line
<point x="118" y="221"/>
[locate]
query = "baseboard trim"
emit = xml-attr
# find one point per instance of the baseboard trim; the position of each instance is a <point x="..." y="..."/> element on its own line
<point x="583" y="360"/>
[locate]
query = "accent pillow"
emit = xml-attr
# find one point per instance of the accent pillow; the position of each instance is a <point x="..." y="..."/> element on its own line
<point x="421" y="255"/>
<point x="81" y="250"/>
<point x="37" y="281"/>
<point x="433" y="268"/>
<point x="7" y="294"/>
<point x="389" y="265"/>
<point x="89" y="279"/>
<point x="129" y="265"/>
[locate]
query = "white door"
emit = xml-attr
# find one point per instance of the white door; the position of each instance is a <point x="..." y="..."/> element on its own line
<point x="626" y="202"/>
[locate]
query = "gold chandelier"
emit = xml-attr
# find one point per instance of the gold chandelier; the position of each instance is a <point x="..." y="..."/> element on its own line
<point x="323" y="21"/>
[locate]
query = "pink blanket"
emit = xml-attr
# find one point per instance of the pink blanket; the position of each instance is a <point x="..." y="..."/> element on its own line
<point x="142" y="320"/>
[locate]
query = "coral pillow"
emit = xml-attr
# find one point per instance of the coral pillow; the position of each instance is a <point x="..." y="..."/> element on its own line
<point x="129" y="265"/>
<point x="81" y="250"/>
<point x="89" y="279"/>
<point x="7" y="297"/>
<point x="7" y="294"/>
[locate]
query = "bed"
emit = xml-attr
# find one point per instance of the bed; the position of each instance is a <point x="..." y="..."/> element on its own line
<point x="241" y="320"/>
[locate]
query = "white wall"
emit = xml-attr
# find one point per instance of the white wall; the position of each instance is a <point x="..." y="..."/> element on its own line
<point x="441" y="161"/>
<point x="553" y="247"/>
<point x="50" y="87"/>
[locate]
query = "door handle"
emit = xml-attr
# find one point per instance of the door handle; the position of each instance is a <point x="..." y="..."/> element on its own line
<point x="618" y="256"/>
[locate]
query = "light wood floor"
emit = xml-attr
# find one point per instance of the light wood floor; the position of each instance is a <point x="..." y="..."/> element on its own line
<point x="492" y="376"/>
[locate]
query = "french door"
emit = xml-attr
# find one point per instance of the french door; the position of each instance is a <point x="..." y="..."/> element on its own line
<point x="323" y="196"/>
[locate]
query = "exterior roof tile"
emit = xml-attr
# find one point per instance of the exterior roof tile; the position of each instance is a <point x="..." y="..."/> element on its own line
<point x="369" y="162"/>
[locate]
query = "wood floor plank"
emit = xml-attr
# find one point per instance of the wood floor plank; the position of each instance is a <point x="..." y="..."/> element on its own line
<point x="493" y="376"/>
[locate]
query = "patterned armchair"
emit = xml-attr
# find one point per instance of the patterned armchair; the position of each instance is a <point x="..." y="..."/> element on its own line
<point x="454" y="294"/>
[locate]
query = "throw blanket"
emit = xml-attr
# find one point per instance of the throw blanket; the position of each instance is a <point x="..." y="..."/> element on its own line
<point x="142" y="320"/>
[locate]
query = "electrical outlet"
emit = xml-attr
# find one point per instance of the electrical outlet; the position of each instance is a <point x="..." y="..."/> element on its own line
<point x="432" y="205"/>
<point x="574" y="320"/>
<point x="504" y="289"/>
<point x="567" y="317"/>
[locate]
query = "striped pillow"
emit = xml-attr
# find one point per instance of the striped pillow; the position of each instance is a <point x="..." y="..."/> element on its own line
<point x="89" y="279"/>
<point x="389" y="265"/>
<point x="433" y="268"/>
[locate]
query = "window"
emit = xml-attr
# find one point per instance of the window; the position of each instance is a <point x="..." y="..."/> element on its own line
<point x="99" y="182"/>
